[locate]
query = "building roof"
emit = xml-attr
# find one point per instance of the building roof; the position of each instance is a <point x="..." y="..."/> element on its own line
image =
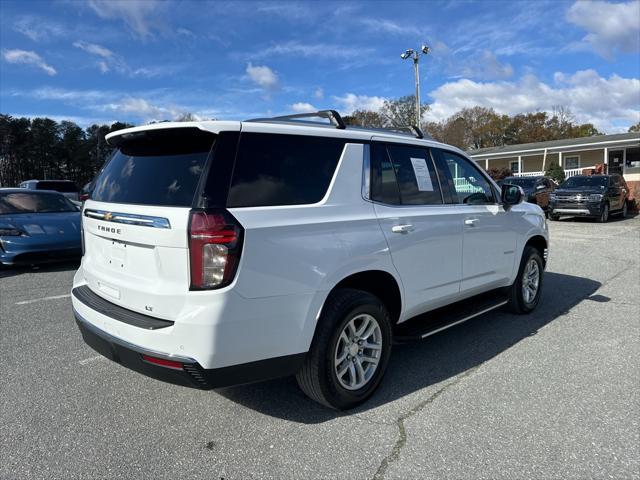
<point x="554" y="144"/>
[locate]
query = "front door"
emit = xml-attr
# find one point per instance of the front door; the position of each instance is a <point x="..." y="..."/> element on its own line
<point x="616" y="161"/>
<point x="489" y="243"/>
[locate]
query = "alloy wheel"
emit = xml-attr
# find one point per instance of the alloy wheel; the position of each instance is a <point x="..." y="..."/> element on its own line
<point x="530" y="281"/>
<point x="358" y="352"/>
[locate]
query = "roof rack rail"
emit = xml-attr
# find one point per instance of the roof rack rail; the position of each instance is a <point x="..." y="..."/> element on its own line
<point x="333" y="116"/>
<point x="412" y="129"/>
<point x="337" y="121"/>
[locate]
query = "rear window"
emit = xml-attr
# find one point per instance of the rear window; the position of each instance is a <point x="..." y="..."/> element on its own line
<point x="65" y="187"/>
<point x="31" y="202"/>
<point x="283" y="169"/>
<point x="158" y="167"/>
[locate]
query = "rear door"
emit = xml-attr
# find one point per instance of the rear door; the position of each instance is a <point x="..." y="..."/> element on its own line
<point x="423" y="234"/>
<point x="136" y="222"/>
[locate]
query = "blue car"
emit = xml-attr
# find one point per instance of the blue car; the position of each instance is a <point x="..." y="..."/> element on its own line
<point x="37" y="226"/>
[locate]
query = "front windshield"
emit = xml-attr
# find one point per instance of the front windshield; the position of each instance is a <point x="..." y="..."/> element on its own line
<point x="32" y="202"/>
<point x="521" y="181"/>
<point x="595" y="181"/>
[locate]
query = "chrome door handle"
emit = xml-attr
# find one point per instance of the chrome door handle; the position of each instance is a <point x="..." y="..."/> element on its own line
<point x="406" y="228"/>
<point x="471" y="222"/>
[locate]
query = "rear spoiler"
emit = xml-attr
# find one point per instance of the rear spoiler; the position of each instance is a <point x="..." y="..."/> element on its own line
<point x="116" y="138"/>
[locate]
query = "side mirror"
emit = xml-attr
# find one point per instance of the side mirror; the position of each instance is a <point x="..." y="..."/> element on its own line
<point x="511" y="194"/>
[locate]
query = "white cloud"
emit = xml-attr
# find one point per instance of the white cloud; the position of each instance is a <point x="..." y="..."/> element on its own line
<point x="37" y="29"/>
<point x="303" y="107"/>
<point x="611" y="27"/>
<point x="94" y="49"/>
<point x="318" y="93"/>
<point x="142" y="108"/>
<point x="262" y="76"/>
<point x="315" y="50"/>
<point x="486" y="67"/>
<point x="350" y="102"/>
<point x="605" y="102"/>
<point x="141" y="16"/>
<point x="112" y="61"/>
<point x="389" y="26"/>
<point x="109" y="60"/>
<point x="28" y="58"/>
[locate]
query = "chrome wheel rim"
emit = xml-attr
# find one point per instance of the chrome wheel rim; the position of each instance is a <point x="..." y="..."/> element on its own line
<point x="358" y="352"/>
<point x="530" y="281"/>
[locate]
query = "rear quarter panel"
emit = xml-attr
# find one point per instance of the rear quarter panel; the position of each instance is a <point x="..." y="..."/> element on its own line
<point x="306" y="250"/>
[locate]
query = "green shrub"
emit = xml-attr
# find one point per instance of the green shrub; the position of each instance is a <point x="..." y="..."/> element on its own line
<point x="556" y="172"/>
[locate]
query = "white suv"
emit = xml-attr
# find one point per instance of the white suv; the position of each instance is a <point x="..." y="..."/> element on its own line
<point x="219" y="253"/>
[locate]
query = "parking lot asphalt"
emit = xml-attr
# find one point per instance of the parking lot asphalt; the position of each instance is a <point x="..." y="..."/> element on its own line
<point x="554" y="394"/>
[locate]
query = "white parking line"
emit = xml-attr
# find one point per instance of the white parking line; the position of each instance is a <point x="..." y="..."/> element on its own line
<point x="55" y="297"/>
<point x="92" y="359"/>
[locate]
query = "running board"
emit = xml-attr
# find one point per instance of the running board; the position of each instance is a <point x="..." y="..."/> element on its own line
<point x="440" y="319"/>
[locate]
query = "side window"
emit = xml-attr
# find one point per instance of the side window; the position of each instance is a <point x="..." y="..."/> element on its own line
<point x="283" y="169"/>
<point x="415" y="174"/>
<point x="384" y="187"/>
<point x="468" y="184"/>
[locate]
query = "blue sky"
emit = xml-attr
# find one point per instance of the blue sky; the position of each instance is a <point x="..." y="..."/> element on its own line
<point x="144" y="60"/>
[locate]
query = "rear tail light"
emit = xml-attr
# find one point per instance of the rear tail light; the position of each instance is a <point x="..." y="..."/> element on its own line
<point x="215" y="244"/>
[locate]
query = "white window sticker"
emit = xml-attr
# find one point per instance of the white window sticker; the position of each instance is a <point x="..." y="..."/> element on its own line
<point x="422" y="174"/>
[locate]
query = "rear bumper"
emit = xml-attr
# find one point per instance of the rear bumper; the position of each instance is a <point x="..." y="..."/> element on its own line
<point x="191" y="374"/>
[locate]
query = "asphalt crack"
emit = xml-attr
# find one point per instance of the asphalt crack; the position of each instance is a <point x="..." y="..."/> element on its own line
<point x="394" y="455"/>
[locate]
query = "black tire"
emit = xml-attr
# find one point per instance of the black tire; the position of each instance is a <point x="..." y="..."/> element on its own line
<point x="517" y="303"/>
<point x="555" y="218"/>
<point x="317" y="378"/>
<point x="625" y="209"/>
<point x="604" y="214"/>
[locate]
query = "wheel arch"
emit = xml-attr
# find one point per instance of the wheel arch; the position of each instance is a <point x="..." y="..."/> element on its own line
<point x="380" y="284"/>
<point x="539" y="243"/>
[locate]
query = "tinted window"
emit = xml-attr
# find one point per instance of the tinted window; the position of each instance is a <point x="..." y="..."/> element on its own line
<point x="160" y="167"/>
<point x="596" y="181"/>
<point x="415" y="175"/>
<point x="521" y="181"/>
<point x="11" y="203"/>
<point x="283" y="169"/>
<point x="466" y="182"/>
<point x="384" y="187"/>
<point x="66" y="187"/>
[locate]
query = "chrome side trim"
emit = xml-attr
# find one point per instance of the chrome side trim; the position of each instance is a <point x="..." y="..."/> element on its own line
<point x="128" y="218"/>
<point x="465" y="319"/>
<point x="127" y="345"/>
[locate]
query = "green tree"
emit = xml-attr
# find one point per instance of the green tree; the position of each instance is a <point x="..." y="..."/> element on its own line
<point x="401" y="112"/>
<point x="556" y="172"/>
<point x="634" y="128"/>
<point x="365" y="118"/>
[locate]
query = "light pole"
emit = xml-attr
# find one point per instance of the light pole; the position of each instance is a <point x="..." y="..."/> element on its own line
<point x="415" y="56"/>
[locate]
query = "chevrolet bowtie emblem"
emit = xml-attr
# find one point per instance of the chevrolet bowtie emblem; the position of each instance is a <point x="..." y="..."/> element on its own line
<point x="108" y="216"/>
